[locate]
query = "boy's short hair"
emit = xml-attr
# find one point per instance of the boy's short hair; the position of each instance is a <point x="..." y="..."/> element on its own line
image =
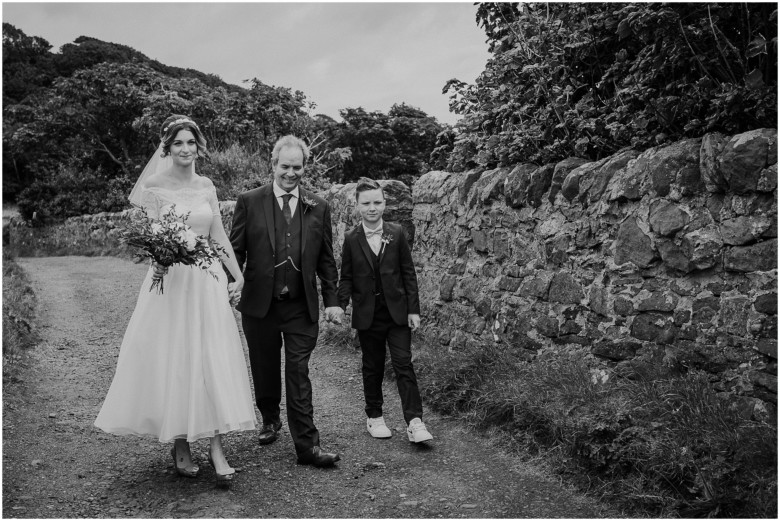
<point x="364" y="184"/>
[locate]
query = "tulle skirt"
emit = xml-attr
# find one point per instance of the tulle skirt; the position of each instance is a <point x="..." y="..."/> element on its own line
<point x="181" y="371"/>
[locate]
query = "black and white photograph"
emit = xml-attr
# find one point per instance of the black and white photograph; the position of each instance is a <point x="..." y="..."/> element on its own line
<point x="389" y="260"/>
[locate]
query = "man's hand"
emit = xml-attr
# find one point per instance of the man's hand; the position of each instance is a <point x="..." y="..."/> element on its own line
<point x="334" y="314"/>
<point x="414" y="321"/>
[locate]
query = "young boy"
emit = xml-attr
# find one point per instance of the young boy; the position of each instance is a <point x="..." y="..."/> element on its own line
<point x="377" y="272"/>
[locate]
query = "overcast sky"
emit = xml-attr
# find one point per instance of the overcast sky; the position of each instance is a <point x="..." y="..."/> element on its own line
<point x="340" y="55"/>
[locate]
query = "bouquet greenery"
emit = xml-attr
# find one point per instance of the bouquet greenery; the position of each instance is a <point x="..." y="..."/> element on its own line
<point x="168" y="241"/>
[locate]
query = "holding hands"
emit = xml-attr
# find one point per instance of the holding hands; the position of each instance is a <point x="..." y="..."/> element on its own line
<point x="414" y="321"/>
<point x="234" y="291"/>
<point x="334" y="314"/>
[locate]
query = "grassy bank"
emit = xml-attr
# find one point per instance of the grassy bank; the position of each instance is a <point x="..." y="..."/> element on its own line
<point x="19" y="305"/>
<point x="657" y="447"/>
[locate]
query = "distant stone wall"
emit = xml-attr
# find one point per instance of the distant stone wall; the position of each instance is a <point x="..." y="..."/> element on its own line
<point x="664" y="259"/>
<point x="86" y="234"/>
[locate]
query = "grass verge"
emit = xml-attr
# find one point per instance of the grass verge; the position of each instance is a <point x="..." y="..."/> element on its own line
<point x="19" y="305"/>
<point x="662" y="447"/>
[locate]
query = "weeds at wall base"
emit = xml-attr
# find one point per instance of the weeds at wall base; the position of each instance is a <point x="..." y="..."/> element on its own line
<point x="19" y="306"/>
<point x="663" y="446"/>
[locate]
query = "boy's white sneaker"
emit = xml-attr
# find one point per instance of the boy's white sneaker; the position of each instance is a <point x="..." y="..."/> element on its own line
<point x="417" y="432"/>
<point x="377" y="428"/>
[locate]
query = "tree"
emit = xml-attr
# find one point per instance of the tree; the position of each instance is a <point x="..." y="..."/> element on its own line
<point x="416" y="133"/>
<point x="587" y="79"/>
<point x="396" y="145"/>
<point x="27" y="65"/>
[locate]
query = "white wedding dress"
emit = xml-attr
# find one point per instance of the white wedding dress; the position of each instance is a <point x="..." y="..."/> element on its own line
<point x="181" y="371"/>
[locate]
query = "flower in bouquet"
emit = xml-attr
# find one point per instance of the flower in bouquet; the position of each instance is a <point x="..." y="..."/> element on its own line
<point x="168" y="241"/>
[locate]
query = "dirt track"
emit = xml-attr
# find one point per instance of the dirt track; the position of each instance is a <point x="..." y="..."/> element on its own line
<point x="57" y="465"/>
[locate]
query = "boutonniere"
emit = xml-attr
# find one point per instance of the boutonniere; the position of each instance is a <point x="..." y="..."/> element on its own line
<point x="386" y="238"/>
<point x="308" y="203"/>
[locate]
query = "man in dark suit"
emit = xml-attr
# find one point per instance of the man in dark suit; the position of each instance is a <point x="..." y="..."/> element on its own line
<point x="378" y="274"/>
<point x="282" y="237"/>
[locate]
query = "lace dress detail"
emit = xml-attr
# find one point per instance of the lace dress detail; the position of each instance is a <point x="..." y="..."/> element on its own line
<point x="181" y="371"/>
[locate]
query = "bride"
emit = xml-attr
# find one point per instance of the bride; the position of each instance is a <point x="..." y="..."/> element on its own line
<point x="181" y="373"/>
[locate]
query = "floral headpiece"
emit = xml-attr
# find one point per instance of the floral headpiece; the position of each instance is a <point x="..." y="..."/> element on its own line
<point x="180" y="120"/>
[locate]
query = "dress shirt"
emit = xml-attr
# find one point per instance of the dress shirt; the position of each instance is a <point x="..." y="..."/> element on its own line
<point x="278" y="193"/>
<point x="374" y="239"/>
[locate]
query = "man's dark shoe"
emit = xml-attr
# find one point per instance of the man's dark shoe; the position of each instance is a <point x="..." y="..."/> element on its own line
<point x="315" y="456"/>
<point x="269" y="432"/>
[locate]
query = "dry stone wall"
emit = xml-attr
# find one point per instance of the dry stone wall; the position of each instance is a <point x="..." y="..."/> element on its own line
<point x="644" y="262"/>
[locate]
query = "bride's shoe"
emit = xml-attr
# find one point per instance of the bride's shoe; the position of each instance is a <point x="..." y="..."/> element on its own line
<point x="223" y="480"/>
<point x="189" y="472"/>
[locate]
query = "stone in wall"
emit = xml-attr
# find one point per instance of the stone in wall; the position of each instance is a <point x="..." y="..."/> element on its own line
<point x="540" y="183"/>
<point x="712" y="146"/>
<point x="673" y="256"/>
<point x="743" y="229"/>
<point x="671" y="170"/>
<point x="517" y="183"/>
<point x="490" y="185"/>
<point x="565" y="289"/>
<point x="587" y="183"/>
<point x="740" y="164"/>
<point x="703" y="247"/>
<point x="745" y="158"/>
<point x="667" y="218"/>
<point x="766" y="303"/>
<point x="757" y="257"/>
<point x="619" y="350"/>
<point x="653" y="327"/>
<point x="632" y="245"/>
<point x="561" y="171"/>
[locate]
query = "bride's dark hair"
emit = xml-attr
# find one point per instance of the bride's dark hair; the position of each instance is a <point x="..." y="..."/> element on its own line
<point x="172" y="125"/>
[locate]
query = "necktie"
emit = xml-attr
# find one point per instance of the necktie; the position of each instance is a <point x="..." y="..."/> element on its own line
<point x="286" y="208"/>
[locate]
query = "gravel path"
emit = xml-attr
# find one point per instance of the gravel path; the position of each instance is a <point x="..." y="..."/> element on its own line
<point x="57" y="465"/>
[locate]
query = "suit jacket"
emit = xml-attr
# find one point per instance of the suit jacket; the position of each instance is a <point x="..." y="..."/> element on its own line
<point x="396" y="269"/>
<point x="252" y="238"/>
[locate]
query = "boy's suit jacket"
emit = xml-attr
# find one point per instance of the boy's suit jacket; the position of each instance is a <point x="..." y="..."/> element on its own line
<point x="396" y="269"/>
<point x="252" y="237"/>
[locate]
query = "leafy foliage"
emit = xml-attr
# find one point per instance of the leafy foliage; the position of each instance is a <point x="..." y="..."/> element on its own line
<point x="72" y="191"/>
<point x="19" y="306"/>
<point x="587" y="79"/>
<point x="27" y="64"/>
<point x="396" y="145"/>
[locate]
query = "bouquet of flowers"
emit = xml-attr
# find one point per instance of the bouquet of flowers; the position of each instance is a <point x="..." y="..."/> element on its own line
<point x="169" y="241"/>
